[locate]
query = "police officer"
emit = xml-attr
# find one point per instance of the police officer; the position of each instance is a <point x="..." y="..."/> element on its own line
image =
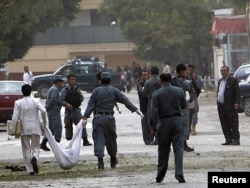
<point x="72" y="98"/>
<point x="197" y="85"/>
<point x="170" y="130"/>
<point x="180" y="81"/>
<point x="148" y="89"/>
<point x="101" y="103"/>
<point x="53" y="106"/>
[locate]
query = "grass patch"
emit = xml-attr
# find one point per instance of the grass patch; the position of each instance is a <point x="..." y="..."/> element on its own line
<point x="51" y="170"/>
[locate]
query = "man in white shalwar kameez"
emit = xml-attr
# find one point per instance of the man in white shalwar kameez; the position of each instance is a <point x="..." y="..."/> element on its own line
<point x="27" y="110"/>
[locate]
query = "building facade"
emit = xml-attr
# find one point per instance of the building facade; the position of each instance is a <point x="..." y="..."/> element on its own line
<point x="89" y="34"/>
<point x="230" y="43"/>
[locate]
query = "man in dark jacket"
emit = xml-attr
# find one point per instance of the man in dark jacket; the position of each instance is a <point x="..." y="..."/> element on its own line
<point x="148" y="138"/>
<point x="228" y="104"/>
<point x="150" y="86"/>
<point x="169" y="111"/>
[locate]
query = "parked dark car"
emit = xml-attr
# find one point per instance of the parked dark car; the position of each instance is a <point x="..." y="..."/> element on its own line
<point x="245" y="96"/>
<point x="85" y="69"/>
<point x="10" y="91"/>
<point x="242" y="72"/>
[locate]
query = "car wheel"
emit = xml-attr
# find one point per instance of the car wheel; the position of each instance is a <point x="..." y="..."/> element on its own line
<point x="42" y="90"/>
<point x="247" y="107"/>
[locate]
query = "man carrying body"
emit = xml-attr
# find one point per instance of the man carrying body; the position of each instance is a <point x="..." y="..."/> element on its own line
<point x="101" y="103"/>
<point x="53" y="106"/>
<point x="27" y="110"/>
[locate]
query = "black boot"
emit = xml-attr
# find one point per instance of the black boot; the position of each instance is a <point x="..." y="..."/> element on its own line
<point x="113" y="162"/>
<point x="86" y="142"/>
<point x="44" y="146"/>
<point x="100" y="163"/>
<point x="187" y="148"/>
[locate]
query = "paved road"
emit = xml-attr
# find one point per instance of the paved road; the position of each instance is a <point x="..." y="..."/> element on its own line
<point x="209" y="154"/>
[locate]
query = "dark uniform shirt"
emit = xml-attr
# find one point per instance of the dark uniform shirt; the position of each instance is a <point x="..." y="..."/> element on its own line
<point x="53" y="102"/>
<point x="168" y="101"/>
<point x="103" y="99"/>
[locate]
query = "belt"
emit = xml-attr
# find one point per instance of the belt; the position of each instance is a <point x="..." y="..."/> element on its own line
<point x="167" y="116"/>
<point x="105" y="113"/>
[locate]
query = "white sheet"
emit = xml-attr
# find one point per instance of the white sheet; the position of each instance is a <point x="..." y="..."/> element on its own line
<point x="66" y="157"/>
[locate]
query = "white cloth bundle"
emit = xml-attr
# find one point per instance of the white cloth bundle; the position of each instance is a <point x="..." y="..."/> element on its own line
<point x="66" y="157"/>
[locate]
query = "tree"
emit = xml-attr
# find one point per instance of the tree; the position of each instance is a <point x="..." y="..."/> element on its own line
<point x="172" y="30"/>
<point x="21" y="20"/>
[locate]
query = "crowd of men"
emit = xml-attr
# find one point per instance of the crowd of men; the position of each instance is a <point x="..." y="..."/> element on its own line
<point x="168" y="109"/>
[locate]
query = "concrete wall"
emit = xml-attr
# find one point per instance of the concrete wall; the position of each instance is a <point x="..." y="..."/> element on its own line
<point x="47" y="59"/>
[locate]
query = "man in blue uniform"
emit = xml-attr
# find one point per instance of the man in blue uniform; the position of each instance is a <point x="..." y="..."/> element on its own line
<point x="53" y="106"/>
<point x="168" y="112"/>
<point x="101" y="103"/>
<point x="72" y="99"/>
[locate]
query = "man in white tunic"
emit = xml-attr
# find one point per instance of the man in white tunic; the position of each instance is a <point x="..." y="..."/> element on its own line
<point x="27" y="75"/>
<point x="27" y="110"/>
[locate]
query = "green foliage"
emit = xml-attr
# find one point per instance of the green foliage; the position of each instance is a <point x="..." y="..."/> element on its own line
<point x="240" y="3"/>
<point x="171" y="30"/>
<point x="22" y="19"/>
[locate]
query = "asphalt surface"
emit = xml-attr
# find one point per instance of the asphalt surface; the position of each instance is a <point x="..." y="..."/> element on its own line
<point x="209" y="154"/>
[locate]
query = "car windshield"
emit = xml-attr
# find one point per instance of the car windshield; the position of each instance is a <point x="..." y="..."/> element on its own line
<point x="244" y="71"/>
<point x="9" y="87"/>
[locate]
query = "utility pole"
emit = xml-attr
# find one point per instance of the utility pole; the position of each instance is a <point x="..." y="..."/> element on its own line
<point x="248" y="34"/>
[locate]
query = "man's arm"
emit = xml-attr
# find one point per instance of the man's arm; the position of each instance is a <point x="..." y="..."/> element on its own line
<point x="80" y="93"/>
<point x="145" y="90"/>
<point x="121" y="98"/>
<point x="90" y="107"/>
<point x="154" y="113"/>
<point x="63" y="96"/>
<point x="185" y="85"/>
<point x="53" y="99"/>
<point x="237" y="93"/>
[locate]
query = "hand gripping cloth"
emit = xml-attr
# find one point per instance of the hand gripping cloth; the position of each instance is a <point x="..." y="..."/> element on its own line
<point x="68" y="156"/>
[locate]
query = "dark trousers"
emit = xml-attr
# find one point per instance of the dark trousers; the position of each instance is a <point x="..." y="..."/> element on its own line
<point x="104" y="134"/>
<point x="146" y="130"/>
<point x="229" y="120"/>
<point x="170" y="130"/>
<point x="70" y="118"/>
<point x="191" y="113"/>
<point x="55" y="124"/>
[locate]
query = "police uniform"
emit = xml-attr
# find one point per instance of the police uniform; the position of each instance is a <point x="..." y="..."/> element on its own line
<point x="197" y="84"/>
<point x="186" y="86"/>
<point x="101" y="103"/>
<point x="169" y="111"/>
<point x="74" y="115"/>
<point x="53" y="106"/>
